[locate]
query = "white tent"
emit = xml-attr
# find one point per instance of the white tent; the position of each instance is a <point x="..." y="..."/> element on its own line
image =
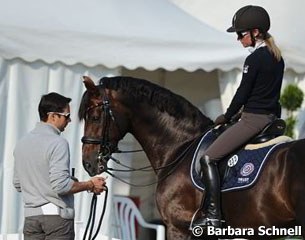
<point x="48" y="45"/>
<point x="151" y="34"/>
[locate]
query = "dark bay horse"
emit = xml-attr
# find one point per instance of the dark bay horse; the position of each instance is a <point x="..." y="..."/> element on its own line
<point x="168" y="127"/>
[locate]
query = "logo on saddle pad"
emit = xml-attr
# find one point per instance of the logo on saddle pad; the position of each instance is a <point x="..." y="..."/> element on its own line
<point x="233" y="161"/>
<point x="241" y="170"/>
<point x="247" y="169"/>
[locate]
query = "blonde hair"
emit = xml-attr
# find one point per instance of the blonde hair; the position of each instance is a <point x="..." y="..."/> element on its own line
<point x="270" y="43"/>
<point x="273" y="48"/>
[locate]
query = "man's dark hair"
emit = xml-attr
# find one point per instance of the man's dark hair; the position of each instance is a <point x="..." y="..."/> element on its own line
<point x="52" y="102"/>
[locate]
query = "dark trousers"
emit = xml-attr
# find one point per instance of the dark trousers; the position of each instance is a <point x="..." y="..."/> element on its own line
<point x="237" y="135"/>
<point x="48" y="227"/>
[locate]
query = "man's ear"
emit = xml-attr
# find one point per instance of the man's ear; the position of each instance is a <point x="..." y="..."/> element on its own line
<point x="50" y="118"/>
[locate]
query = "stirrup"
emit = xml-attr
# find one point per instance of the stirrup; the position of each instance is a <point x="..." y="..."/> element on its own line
<point x="205" y="222"/>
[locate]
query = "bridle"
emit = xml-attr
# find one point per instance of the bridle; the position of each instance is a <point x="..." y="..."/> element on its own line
<point x="106" y="147"/>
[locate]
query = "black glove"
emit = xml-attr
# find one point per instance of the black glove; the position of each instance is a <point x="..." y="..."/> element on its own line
<point x="221" y="119"/>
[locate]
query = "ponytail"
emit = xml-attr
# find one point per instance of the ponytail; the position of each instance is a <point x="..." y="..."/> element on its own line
<point x="273" y="48"/>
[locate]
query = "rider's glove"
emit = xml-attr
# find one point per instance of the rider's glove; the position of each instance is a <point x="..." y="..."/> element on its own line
<point x="221" y="119"/>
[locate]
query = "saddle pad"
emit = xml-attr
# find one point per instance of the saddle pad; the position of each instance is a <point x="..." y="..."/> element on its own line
<point x="243" y="168"/>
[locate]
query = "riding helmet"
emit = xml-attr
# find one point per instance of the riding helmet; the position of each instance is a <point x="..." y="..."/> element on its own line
<point x="250" y="17"/>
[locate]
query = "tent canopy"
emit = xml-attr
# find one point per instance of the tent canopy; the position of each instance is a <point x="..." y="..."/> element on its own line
<point x="130" y="33"/>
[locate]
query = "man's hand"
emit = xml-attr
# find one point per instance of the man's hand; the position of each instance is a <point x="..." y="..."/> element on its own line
<point x="96" y="184"/>
<point x="99" y="184"/>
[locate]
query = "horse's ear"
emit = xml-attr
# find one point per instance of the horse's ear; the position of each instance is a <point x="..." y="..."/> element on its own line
<point x="89" y="84"/>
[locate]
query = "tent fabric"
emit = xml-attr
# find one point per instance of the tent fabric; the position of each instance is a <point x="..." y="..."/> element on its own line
<point x="287" y="20"/>
<point x="131" y="33"/>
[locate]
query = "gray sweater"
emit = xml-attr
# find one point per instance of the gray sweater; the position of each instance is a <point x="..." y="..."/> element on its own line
<point x="42" y="171"/>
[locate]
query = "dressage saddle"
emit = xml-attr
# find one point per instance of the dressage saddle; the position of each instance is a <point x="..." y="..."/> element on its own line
<point x="272" y="130"/>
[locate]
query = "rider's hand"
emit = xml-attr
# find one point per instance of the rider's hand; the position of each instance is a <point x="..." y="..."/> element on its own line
<point x="221" y="119"/>
<point x="99" y="184"/>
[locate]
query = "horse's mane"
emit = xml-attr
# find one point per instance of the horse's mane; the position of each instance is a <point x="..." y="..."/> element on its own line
<point x="140" y="90"/>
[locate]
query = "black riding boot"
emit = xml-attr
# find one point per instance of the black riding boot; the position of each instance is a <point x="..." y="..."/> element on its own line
<point x="211" y="204"/>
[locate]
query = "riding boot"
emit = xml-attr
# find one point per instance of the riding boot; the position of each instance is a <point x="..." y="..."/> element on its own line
<point x="210" y="206"/>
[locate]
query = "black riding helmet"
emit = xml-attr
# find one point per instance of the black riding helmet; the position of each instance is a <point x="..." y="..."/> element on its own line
<point x="250" y="17"/>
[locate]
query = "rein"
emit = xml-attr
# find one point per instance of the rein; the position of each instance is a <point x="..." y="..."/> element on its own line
<point x="175" y="164"/>
<point x="91" y="219"/>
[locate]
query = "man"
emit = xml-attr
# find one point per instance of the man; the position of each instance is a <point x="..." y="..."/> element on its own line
<point x="42" y="174"/>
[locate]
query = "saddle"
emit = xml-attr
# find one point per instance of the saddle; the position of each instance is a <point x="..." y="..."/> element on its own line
<point x="274" y="129"/>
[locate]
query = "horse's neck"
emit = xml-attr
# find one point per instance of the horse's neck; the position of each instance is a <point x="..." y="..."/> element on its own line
<point x="164" y="135"/>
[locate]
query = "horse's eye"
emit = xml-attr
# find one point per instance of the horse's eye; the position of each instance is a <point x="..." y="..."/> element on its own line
<point x="95" y="118"/>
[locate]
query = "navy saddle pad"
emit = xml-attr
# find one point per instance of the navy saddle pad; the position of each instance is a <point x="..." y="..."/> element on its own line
<point x="242" y="170"/>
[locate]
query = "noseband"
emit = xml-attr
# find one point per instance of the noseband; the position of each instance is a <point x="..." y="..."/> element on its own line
<point x="106" y="147"/>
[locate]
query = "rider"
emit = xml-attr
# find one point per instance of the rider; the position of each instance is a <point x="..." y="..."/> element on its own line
<point x="257" y="95"/>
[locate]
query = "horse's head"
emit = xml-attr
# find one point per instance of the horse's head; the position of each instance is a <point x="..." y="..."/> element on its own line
<point x="105" y="126"/>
